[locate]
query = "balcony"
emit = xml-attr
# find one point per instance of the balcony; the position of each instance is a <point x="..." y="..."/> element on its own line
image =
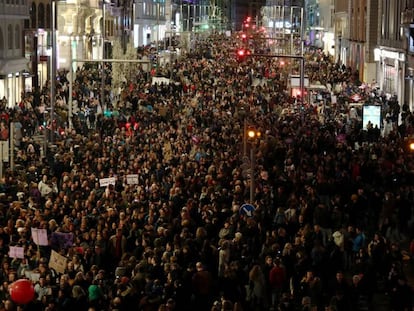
<point x="15" y="10"/>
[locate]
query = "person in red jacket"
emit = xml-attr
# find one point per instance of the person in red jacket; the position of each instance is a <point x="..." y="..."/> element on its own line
<point x="4" y="131"/>
<point x="277" y="278"/>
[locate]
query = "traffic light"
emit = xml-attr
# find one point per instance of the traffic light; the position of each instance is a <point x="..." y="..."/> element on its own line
<point x="242" y="54"/>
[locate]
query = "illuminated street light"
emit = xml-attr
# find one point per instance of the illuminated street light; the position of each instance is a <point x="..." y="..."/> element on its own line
<point x="252" y="134"/>
<point x="411" y="146"/>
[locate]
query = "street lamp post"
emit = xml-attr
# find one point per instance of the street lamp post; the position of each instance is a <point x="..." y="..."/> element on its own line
<point x="103" y="53"/>
<point x="253" y="135"/>
<point x="158" y="28"/>
<point x="52" y="76"/>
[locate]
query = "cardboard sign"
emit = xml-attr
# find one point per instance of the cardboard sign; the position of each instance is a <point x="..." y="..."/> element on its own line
<point x="57" y="262"/>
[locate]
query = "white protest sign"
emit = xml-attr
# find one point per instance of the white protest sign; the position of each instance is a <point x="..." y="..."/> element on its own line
<point x="39" y="237"/>
<point x="16" y="252"/>
<point x="104" y="182"/>
<point x="132" y="179"/>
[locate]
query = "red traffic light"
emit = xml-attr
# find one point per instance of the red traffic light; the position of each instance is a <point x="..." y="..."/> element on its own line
<point x="242" y="53"/>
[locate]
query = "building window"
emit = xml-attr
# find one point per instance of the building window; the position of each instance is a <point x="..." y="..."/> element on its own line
<point x="10" y="36"/>
<point x="147" y="5"/>
<point x="389" y="79"/>
<point x="17" y="37"/>
<point x="1" y="42"/>
<point x="33" y="15"/>
<point x="48" y="15"/>
<point x="41" y="16"/>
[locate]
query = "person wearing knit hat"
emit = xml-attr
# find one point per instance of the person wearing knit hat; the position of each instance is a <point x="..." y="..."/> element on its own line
<point x="95" y="294"/>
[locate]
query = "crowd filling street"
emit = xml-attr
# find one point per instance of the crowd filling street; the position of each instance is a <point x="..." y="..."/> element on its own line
<point x="151" y="190"/>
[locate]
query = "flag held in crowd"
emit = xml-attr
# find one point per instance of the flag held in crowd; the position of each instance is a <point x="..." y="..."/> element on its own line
<point x="61" y="240"/>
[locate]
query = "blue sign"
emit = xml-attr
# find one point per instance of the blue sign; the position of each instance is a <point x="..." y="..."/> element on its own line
<point x="247" y="209"/>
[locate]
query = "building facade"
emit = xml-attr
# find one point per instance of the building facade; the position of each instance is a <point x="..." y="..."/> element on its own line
<point x="376" y="37"/>
<point x="341" y="31"/>
<point x="37" y="36"/>
<point x="357" y="35"/>
<point x="155" y="20"/>
<point x="407" y="24"/>
<point x="355" y="24"/>
<point x="320" y="25"/>
<point x="285" y="22"/>
<point x="391" y="52"/>
<point x="13" y="62"/>
<point x="150" y="20"/>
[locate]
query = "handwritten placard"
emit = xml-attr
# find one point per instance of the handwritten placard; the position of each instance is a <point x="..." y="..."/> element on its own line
<point x="104" y="182"/>
<point x="57" y="262"/>
<point x="132" y="179"/>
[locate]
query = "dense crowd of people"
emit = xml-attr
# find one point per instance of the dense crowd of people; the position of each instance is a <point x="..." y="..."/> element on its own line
<point x="332" y="202"/>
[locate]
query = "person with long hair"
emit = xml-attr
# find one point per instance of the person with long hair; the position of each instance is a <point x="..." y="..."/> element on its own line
<point x="256" y="289"/>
